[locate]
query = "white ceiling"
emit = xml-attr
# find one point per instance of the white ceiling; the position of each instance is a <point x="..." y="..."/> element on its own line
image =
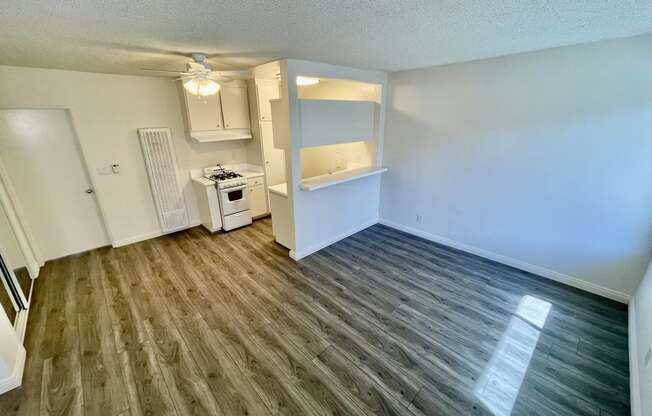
<point x="121" y="36"/>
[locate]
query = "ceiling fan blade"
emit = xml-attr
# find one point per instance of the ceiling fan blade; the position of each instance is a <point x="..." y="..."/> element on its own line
<point x="163" y="71"/>
<point x="219" y="78"/>
<point x="237" y="74"/>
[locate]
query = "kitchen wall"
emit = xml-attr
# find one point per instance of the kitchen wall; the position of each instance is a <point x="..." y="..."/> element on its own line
<point x="540" y="160"/>
<point x="107" y="110"/>
<point x="327" y="159"/>
<point x="640" y="342"/>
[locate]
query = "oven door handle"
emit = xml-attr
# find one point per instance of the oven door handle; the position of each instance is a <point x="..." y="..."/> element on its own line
<point x="234" y="188"/>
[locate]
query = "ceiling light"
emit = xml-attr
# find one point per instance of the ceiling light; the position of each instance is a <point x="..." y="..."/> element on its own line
<point x="202" y="87"/>
<point x="307" y="81"/>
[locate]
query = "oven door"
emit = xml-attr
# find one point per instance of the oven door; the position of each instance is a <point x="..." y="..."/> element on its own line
<point x="234" y="199"/>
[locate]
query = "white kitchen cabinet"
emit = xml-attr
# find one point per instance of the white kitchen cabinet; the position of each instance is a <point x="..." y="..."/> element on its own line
<point x="235" y="107"/>
<point x="266" y="90"/>
<point x="219" y="117"/>
<point x="204" y="113"/>
<point x="257" y="197"/>
<point x="279" y="205"/>
<point x="274" y="158"/>
<point x="326" y="122"/>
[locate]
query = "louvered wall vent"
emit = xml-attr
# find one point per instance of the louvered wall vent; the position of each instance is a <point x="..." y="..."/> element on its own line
<point x="161" y="161"/>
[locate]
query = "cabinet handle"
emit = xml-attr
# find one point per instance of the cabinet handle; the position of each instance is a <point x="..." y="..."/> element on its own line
<point x="218" y="126"/>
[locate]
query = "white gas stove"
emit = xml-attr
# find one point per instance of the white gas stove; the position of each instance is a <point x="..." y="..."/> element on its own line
<point x="233" y="196"/>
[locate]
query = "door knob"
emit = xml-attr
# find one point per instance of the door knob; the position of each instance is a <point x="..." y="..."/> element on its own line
<point x="89" y="191"/>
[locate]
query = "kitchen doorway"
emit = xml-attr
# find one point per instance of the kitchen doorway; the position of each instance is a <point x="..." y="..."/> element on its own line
<point x="42" y="159"/>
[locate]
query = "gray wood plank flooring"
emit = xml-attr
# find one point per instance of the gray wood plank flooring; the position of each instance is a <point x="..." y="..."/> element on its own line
<point x="381" y="323"/>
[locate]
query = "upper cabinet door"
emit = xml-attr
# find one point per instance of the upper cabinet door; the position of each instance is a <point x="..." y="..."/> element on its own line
<point x="235" y="107"/>
<point x="266" y="90"/>
<point x="204" y="113"/>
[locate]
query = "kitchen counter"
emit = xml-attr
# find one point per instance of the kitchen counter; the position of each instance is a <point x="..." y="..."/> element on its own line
<point x="248" y="174"/>
<point x="280" y="189"/>
<point x="200" y="180"/>
<point x="330" y="179"/>
<point x="246" y="170"/>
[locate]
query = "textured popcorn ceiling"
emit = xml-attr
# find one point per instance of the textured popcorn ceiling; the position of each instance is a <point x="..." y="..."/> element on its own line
<point x="121" y="36"/>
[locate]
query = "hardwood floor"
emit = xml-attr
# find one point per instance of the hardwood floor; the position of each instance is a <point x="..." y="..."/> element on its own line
<point x="381" y="323"/>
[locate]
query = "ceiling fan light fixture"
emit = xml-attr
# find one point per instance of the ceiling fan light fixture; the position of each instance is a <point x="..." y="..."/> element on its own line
<point x="201" y="87"/>
<point x="301" y="81"/>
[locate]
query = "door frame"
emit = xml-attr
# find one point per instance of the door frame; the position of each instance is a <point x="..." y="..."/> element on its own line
<point x="9" y="198"/>
<point x="20" y="322"/>
<point x="12" y="208"/>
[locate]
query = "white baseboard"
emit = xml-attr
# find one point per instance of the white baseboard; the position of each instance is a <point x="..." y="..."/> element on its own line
<point x="15" y="379"/>
<point x="323" y="244"/>
<point x="136" y="238"/>
<point x="538" y="270"/>
<point x="634" y="381"/>
<point x="145" y="236"/>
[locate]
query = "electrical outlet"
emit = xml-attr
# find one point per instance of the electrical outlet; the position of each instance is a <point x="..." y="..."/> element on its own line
<point x="648" y="356"/>
<point x="419" y="218"/>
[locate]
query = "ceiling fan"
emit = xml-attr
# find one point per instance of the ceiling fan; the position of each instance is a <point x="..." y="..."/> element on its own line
<point x="199" y="77"/>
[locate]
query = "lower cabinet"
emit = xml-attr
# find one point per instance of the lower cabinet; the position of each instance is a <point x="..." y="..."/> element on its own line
<point x="257" y="198"/>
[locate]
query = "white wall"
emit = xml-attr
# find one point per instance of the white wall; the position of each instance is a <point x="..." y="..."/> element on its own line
<point x="107" y="110"/>
<point x="541" y="159"/>
<point x="9" y="246"/>
<point x="641" y="347"/>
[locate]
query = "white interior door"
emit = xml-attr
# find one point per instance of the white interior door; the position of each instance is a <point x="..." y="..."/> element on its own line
<point x="274" y="158"/>
<point x="41" y="155"/>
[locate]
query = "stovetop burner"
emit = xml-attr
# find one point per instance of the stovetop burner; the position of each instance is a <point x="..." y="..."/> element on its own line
<point x="224" y="175"/>
<point x="218" y="173"/>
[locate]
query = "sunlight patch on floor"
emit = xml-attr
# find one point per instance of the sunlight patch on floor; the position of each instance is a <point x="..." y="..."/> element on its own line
<point x="498" y="385"/>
